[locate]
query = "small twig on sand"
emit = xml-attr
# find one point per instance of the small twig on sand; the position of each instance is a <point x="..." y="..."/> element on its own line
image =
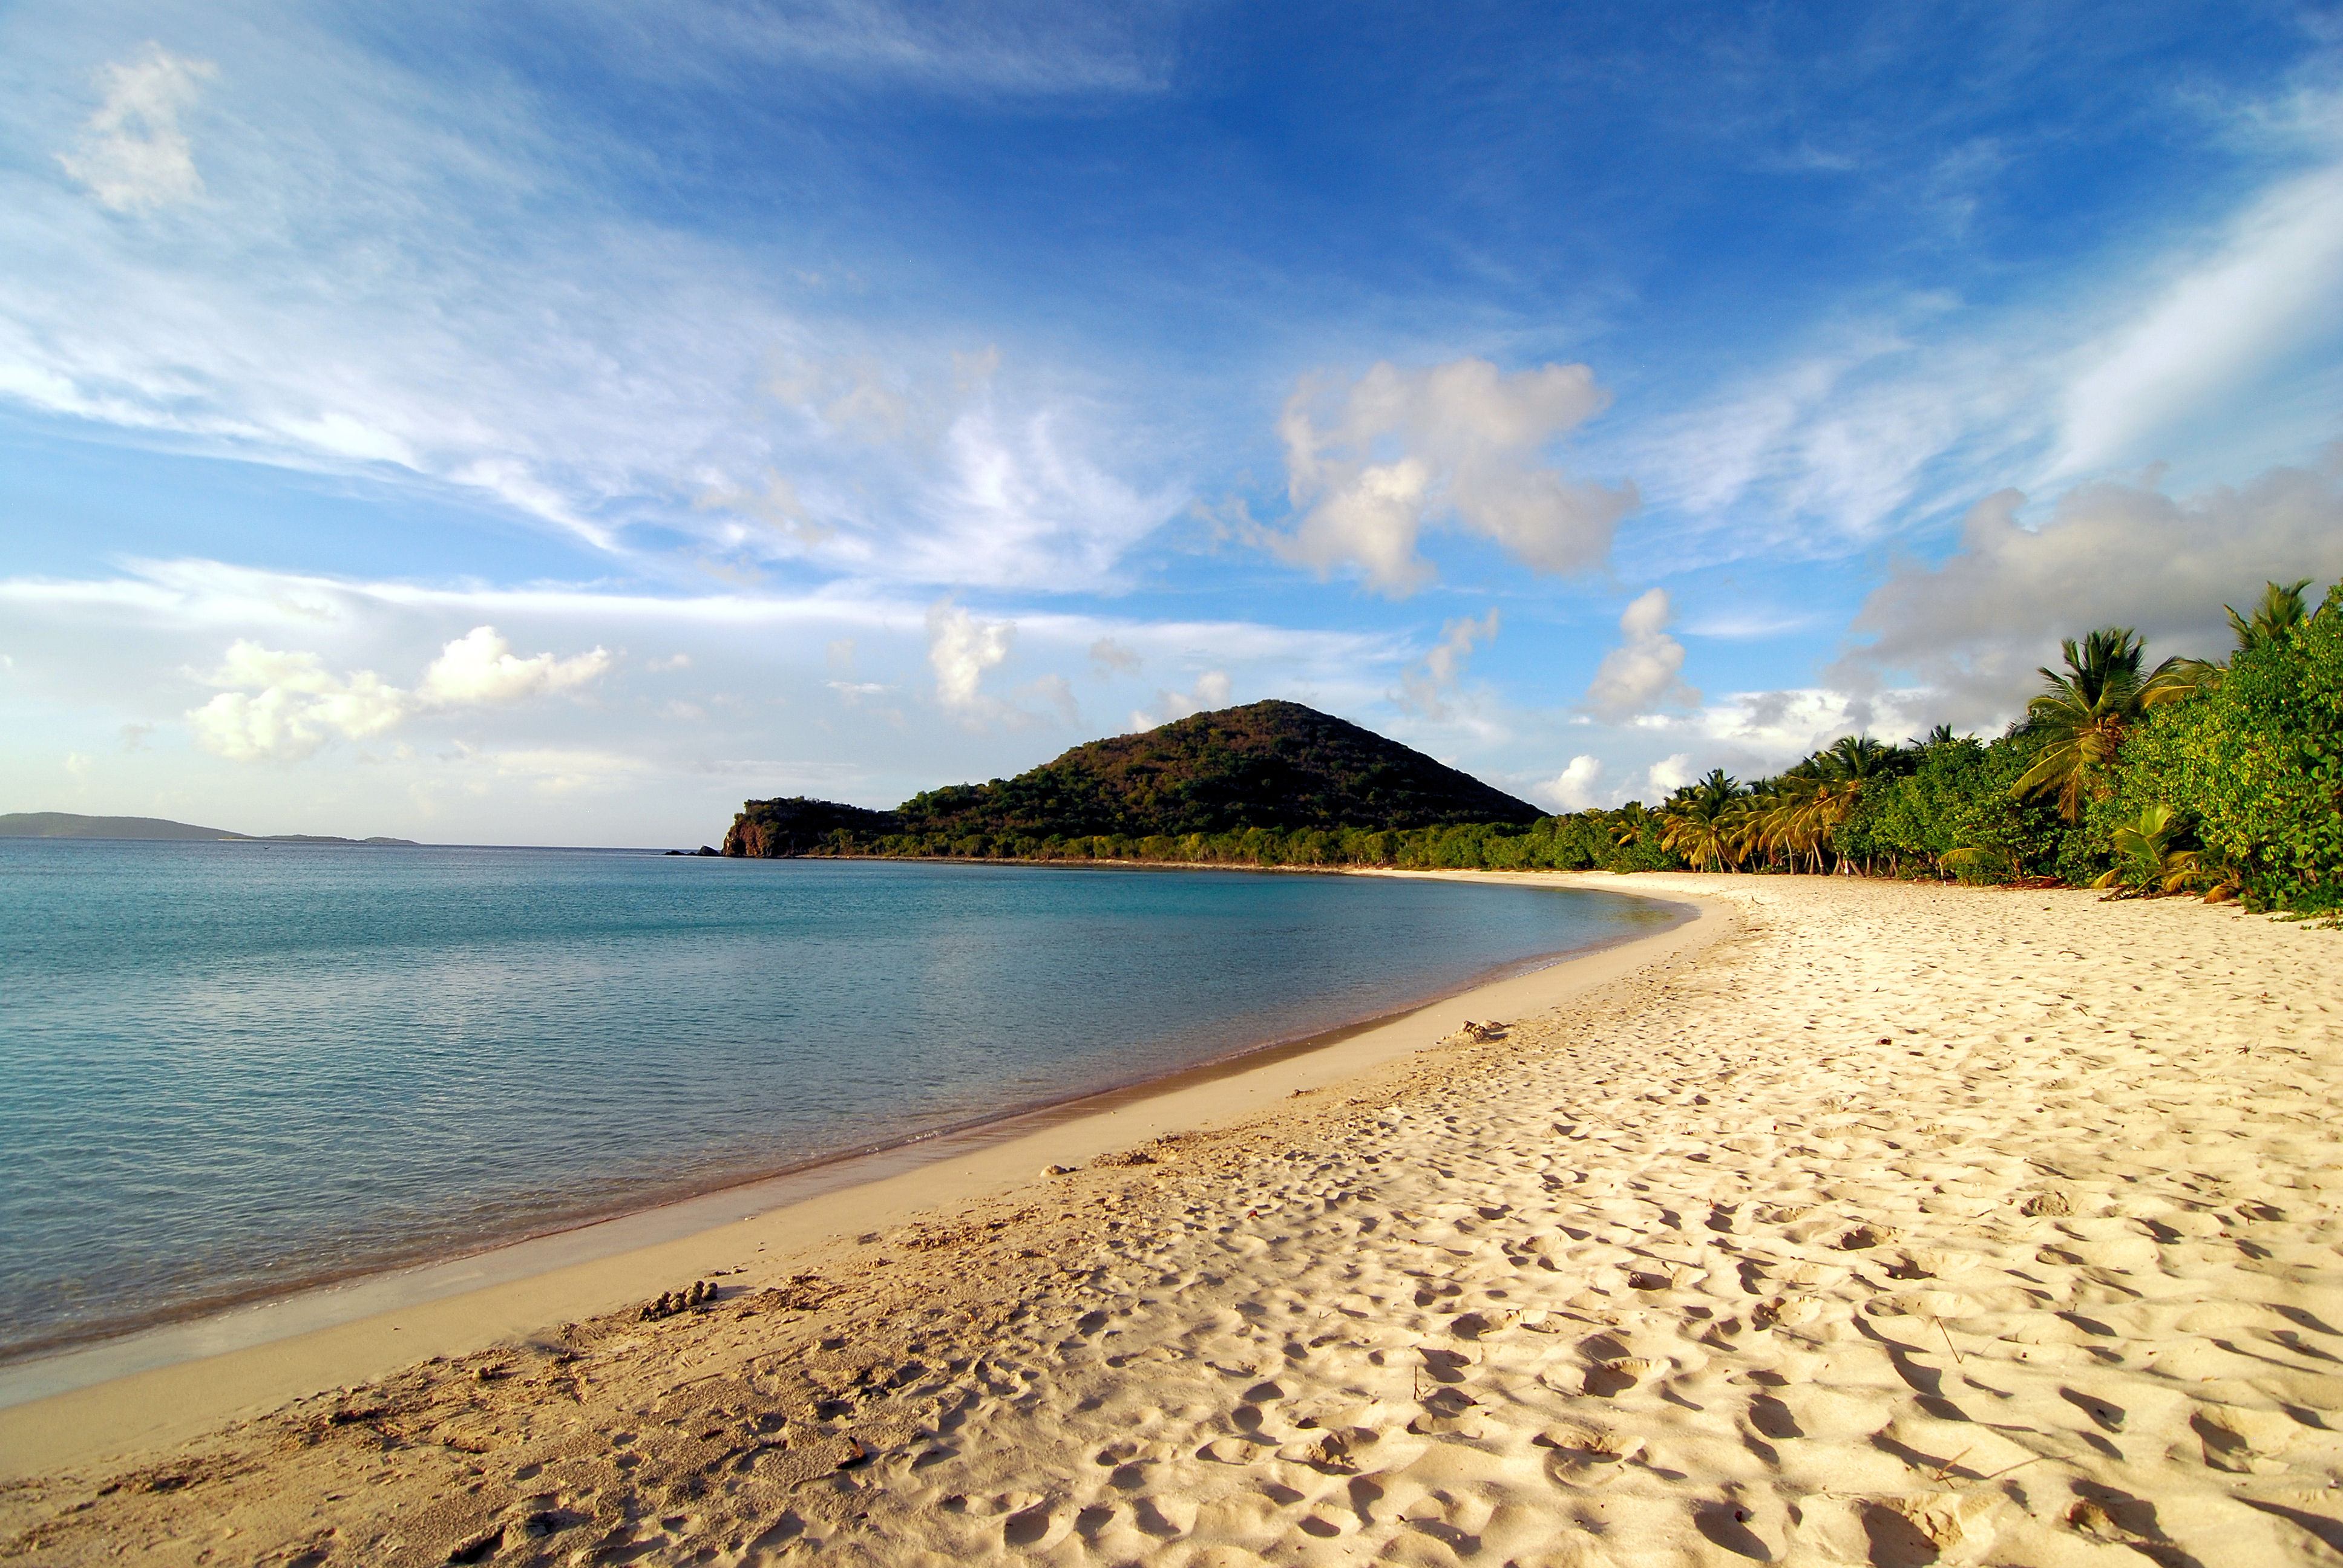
<point x="1948" y="1340"/>
<point x="1946" y="1468"/>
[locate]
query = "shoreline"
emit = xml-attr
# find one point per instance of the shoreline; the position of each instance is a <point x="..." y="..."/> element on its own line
<point x="232" y="1363"/>
<point x="1861" y="1223"/>
<point x="72" y="1356"/>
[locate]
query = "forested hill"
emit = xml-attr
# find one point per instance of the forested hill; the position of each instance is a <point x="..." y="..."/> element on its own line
<point x="1270" y="765"/>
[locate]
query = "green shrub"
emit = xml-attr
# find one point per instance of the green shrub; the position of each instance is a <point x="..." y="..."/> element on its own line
<point x="2254" y="766"/>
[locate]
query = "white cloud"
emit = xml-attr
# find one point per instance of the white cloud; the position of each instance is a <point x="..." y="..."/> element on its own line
<point x="1211" y="691"/>
<point x="363" y="298"/>
<point x="1574" y="788"/>
<point x="1818" y="453"/>
<point x="1018" y="505"/>
<point x="1973" y="626"/>
<point x="1754" y="733"/>
<point x="1642" y="673"/>
<point x="1424" y="688"/>
<point x="1403" y="448"/>
<point x="961" y="650"/>
<point x="2273" y="283"/>
<point x="132" y="154"/>
<point x="282" y="706"/>
<point x="2199" y="352"/>
<point x="480" y="667"/>
<point x="1670" y="774"/>
<point x="981" y="50"/>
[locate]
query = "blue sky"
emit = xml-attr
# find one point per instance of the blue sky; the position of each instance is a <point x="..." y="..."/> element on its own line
<point x="553" y="424"/>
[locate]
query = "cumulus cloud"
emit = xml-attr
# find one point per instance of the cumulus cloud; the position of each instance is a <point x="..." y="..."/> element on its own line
<point x="961" y="650"/>
<point x="1670" y="774"/>
<point x="283" y="706"/>
<point x="1754" y="733"/>
<point x="480" y="667"/>
<point x="1424" y="686"/>
<point x="133" y="155"/>
<point x="1973" y="626"/>
<point x="1573" y="788"/>
<point x="1400" y="449"/>
<point x="1211" y="691"/>
<point x="1643" y="672"/>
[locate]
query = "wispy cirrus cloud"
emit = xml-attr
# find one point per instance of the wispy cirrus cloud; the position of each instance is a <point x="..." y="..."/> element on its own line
<point x="396" y="278"/>
<point x="1891" y="418"/>
<point x="1045" y="50"/>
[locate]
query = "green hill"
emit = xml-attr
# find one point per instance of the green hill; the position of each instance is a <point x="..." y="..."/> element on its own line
<point x="67" y="825"/>
<point x="1270" y="765"/>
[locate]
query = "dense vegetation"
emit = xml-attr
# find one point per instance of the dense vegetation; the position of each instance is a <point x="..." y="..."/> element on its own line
<point x="1276" y="767"/>
<point x="2224" y="779"/>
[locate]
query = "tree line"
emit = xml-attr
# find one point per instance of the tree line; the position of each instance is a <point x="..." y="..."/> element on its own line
<point x="2221" y="777"/>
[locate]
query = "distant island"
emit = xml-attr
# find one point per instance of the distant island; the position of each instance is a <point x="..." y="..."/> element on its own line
<point x="1274" y="776"/>
<point x="67" y="825"/>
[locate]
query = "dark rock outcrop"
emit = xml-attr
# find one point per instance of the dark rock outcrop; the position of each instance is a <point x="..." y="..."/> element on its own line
<point x="776" y="829"/>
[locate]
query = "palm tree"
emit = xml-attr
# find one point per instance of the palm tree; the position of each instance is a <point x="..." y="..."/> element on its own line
<point x="1794" y="816"/>
<point x="1627" y="823"/>
<point x="2083" y="716"/>
<point x="1697" y="821"/>
<point x="1858" y="756"/>
<point x="2145" y="844"/>
<point x="2280" y="611"/>
<point x="1718" y="791"/>
<point x="1942" y="735"/>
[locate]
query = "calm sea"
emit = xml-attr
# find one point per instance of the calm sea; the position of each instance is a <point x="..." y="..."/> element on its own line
<point x="230" y="1070"/>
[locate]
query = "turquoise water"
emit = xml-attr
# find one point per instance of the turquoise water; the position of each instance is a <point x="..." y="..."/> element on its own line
<point x="231" y="1070"/>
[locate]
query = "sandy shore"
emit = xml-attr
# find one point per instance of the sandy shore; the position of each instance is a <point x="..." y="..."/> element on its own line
<point x="1853" y="1224"/>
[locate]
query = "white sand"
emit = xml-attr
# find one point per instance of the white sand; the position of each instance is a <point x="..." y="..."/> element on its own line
<point x="1903" y="1225"/>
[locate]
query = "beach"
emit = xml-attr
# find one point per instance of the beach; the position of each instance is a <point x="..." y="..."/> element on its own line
<point x="1850" y="1223"/>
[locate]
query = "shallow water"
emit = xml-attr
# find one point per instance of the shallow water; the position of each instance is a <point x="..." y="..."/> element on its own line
<point x="230" y="1070"/>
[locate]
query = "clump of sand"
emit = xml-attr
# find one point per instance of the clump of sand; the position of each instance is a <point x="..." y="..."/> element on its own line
<point x="1903" y="1225"/>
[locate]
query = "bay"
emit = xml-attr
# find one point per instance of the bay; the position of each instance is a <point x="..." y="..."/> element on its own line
<point x="230" y="1071"/>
